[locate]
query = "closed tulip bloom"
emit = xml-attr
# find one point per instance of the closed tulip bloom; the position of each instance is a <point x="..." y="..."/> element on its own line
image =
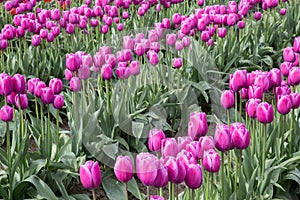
<point x="296" y="62"/>
<point x="283" y="90"/>
<point x="10" y="99"/>
<point x="265" y="113"/>
<point x="58" y="101"/>
<point x="6" y="113"/>
<point x="294" y="76"/>
<point x="295" y="99"/>
<point x="171" y="39"/>
<point x="197" y="126"/>
<point x="262" y="81"/>
<point x="3" y="44"/>
<point x="172" y="168"/>
<point x="68" y="74"/>
<point x="206" y="143"/>
<point x="186" y="41"/>
<point x="211" y="161"/>
<point x="6" y="84"/>
<point x="152" y="57"/>
<point x="134" y="67"/>
<point x="21" y="101"/>
<point x="275" y="77"/>
<point x="75" y="84"/>
<point x="205" y="36"/>
<point x="289" y="54"/>
<point x="72" y="62"/>
<point x="296" y="46"/>
<point x="285" y="68"/>
<point x="47" y="95"/>
<point x="162" y="178"/>
<point x="195" y="148"/>
<point x="146" y="168"/>
<point x="255" y="92"/>
<point x="227" y="99"/>
<point x="238" y="80"/>
<point x="84" y="72"/>
<point x="90" y="175"/>
<point x="222" y="137"/>
<point x="155" y="138"/>
<point x="284" y="104"/>
<point x="282" y="11"/>
<point x="181" y="172"/>
<point x="124" y="168"/>
<point x="155" y="46"/>
<point x="240" y="136"/>
<point x="251" y="107"/>
<point x="56" y="85"/>
<point x="257" y="16"/>
<point x="38" y="88"/>
<point x="193" y="177"/>
<point x="221" y="32"/>
<point x="179" y="45"/>
<point x="183" y="141"/>
<point x="106" y="71"/>
<point x="176" y="18"/>
<point x="169" y="147"/>
<point x="128" y="42"/>
<point x="177" y="62"/>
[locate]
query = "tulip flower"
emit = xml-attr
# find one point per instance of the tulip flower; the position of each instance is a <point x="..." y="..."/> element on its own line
<point x="19" y="83"/>
<point x="169" y="147"/>
<point x="155" y="139"/>
<point x="206" y="143"/>
<point x="172" y="168"/>
<point x="265" y="113"/>
<point x="124" y="168"/>
<point x="6" y="84"/>
<point x="162" y="178"/>
<point x="193" y="177"/>
<point x="255" y="92"/>
<point x="211" y="161"/>
<point x="183" y="141"/>
<point x="240" y="136"/>
<point x="241" y="24"/>
<point x="238" y="80"/>
<point x="262" y="81"/>
<point x="227" y="99"/>
<point x="251" y="107"/>
<point x="257" y="16"/>
<point x="21" y="101"/>
<point x="289" y="54"/>
<point x="47" y="95"/>
<point x="134" y="68"/>
<point x="221" y="32"/>
<point x="75" y="84"/>
<point x="197" y="126"/>
<point x="283" y="104"/>
<point x="294" y="76"/>
<point x="72" y="62"/>
<point x="106" y="71"/>
<point x="222" y="137"/>
<point x="295" y="99"/>
<point x="6" y="113"/>
<point x="90" y="175"/>
<point x="84" y="72"/>
<point x="296" y="46"/>
<point x="282" y="11"/>
<point x="58" y="101"/>
<point x="11" y="98"/>
<point x="146" y="168"/>
<point x="275" y="77"/>
<point x="56" y="85"/>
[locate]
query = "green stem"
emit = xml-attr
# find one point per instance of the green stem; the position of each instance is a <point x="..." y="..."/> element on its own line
<point x="237" y="169"/>
<point x="264" y="150"/>
<point x="10" y="175"/>
<point x="291" y="133"/>
<point x="223" y="178"/>
<point x="235" y="105"/>
<point x="211" y="186"/>
<point x="148" y="192"/>
<point x="49" y="137"/>
<point x="36" y="108"/>
<point x="173" y="191"/>
<point x="57" y="132"/>
<point x="42" y="141"/>
<point x="94" y="194"/>
<point x="193" y="194"/>
<point x="207" y="186"/>
<point x="126" y="192"/>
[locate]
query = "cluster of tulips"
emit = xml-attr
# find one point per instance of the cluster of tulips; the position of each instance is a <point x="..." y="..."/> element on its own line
<point x="177" y="161"/>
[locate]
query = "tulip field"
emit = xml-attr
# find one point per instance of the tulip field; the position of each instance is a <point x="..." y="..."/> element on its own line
<point x="149" y="99"/>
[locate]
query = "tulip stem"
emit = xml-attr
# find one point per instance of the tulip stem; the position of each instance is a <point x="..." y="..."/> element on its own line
<point x="207" y="186"/>
<point x="126" y="191"/>
<point x="223" y="173"/>
<point x="235" y="104"/>
<point x="10" y="178"/>
<point x="264" y="150"/>
<point x="282" y="132"/>
<point x="254" y="136"/>
<point x="94" y="194"/>
<point x="193" y="194"/>
<point x="291" y="133"/>
<point x="57" y="131"/>
<point x="42" y="141"/>
<point x="236" y="169"/>
<point x="160" y="192"/>
<point x="211" y="186"/>
<point x="176" y="192"/>
<point x="49" y="137"/>
<point x="148" y="192"/>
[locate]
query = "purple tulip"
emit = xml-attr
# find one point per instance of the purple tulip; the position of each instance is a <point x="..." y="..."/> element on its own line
<point x="169" y="147"/>
<point x="183" y="141"/>
<point x="195" y="148"/>
<point x="289" y="54"/>
<point x="155" y="139"/>
<point x="21" y="101"/>
<point x="6" y="84"/>
<point x="275" y="77"/>
<point x="221" y="32"/>
<point x="282" y="90"/>
<point x="6" y="113"/>
<point x="296" y="46"/>
<point x="193" y="177"/>
<point x="75" y="84"/>
<point x="38" y="88"/>
<point x="222" y="137"/>
<point x="238" y="80"/>
<point x="106" y="71"/>
<point x="265" y="113"/>
<point x="47" y="95"/>
<point x="295" y="99"/>
<point x="56" y="85"/>
<point x="124" y="168"/>
<point x="294" y="76"/>
<point x="134" y="68"/>
<point x="240" y="136"/>
<point x="72" y="62"/>
<point x="11" y="98"/>
<point x="147" y="166"/>
<point x="172" y="168"/>
<point x="257" y="16"/>
<point x="206" y="143"/>
<point x="227" y="99"/>
<point x="176" y="18"/>
<point x="152" y="57"/>
<point x="284" y="104"/>
<point x="19" y="83"/>
<point x="156" y="197"/>
<point x="262" y="81"/>
<point x="162" y="178"/>
<point x="205" y="36"/>
<point x="211" y="161"/>
<point x="58" y="101"/>
<point x="177" y="62"/>
<point x="251" y="107"/>
<point x="36" y="40"/>
<point x="282" y="11"/>
<point x="90" y="175"/>
<point x="255" y="92"/>
<point x="84" y="72"/>
<point x="197" y="126"/>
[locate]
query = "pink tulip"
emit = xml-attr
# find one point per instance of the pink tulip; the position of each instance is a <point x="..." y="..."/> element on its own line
<point x="255" y="92"/>
<point x="257" y="16"/>
<point x="162" y="178"/>
<point x="282" y="11"/>
<point x="21" y="101"/>
<point x="284" y="104"/>
<point x="72" y="62"/>
<point x="275" y="77"/>
<point x="294" y="76"/>
<point x="58" y="102"/>
<point x="221" y="32"/>
<point x="289" y="54"/>
<point x="124" y="168"/>
<point x="222" y="137"/>
<point x="295" y="99"/>
<point x="251" y="107"/>
<point x="6" y="113"/>
<point x="240" y="136"/>
<point x="75" y="84"/>
<point x="155" y="139"/>
<point x="238" y="80"/>
<point x="227" y="99"/>
<point x="193" y="177"/>
<point x="47" y="95"/>
<point x="211" y="161"/>
<point x="206" y="143"/>
<point x="177" y="62"/>
<point x="262" y="81"/>
<point x="38" y="88"/>
<point x="106" y="71"/>
<point x="172" y="168"/>
<point x="296" y="46"/>
<point x="56" y="85"/>
<point x="6" y="84"/>
<point x="90" y="175"/>
<point x="197" y="126"/>
<point x="169" y="147"/>
<point x="265" y="113"/>
<point x="183" y="141"/>
<point x="147" y="166"/>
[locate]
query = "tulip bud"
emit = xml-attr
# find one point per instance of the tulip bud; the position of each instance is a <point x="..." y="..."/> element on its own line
<point x="294" y="76"/>
<point x="238" y="80"/>
<point x="240" y="136"/>
<point x="47" y="95"/>
<point x="251" y="107"/>
<point x="106" y="71"/>
<point x="282" y="11"/>
<point x="257" y="16"/>
<point x="197" y="126"/>
<point x="275" y="77"/>
<point x="56" y="85"/>
<point x="222" y="137"/>
<point x="283" y="104"/>
<point x="21" y="101"/>
<point x="177" y="62"/>
<point x="11" y="98"/>
<point x="162" y="178"/>
<point x="134" y="68"/>
<point x="295" y="99"/>
<point x="296" y="46"/>
<point x="172" y="168"/>
<point x="6" y="84"/>
<point x="156" y="197"/>
<point x="211" y="161"/>
<point x="90" y="175"/>
<point x="227" y="99"/>
<point x="146" y="168"/>
<point x="75" y="84"/>
<point x="183" y="141"/>
<point x="265" y="113"/>
<point x="169" y="147"/>
<point x="221" y="32"/>
<point x="193" y="177"/>
<point x="58" y="101"/>
<point x="124" y="169"/>
<point x="255" y="92"/>
<point x="6" y="113"/>
<point x="206" y="143"/>
<point x="155" y="139"/>
<point x="205" y="36"/>
<point x="289" y="54"/>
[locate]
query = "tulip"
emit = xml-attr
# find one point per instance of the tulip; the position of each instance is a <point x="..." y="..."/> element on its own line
<point x="169" y="147"/>
<point x="21" y="101"/>
<point x="72" y="62"/>
<point x="296" y="46"/>
<point x="75" y="84"/>
<point x="251" y="107"/>
<point x="152" y="57"/>
<point x="211" y="161"/>
<point x="3" y="44"/>
<point x="179" y="45"/>
<point x="197" y="126"/>
<point x="285" y="68"/>
<point x="227" y="99"/>
<point x="56" y="85"/>
<point x="222" y="137"/>
<point x="265" y="113"/>
<point x="238" y="80"/>
<point x="36" y="40"/>
<point x="205" y="36"/>
<point x="58" y="101"/>
<point x="124" y="169"/>
<point x="84" y="72"/>
<point x="241" y="24"/>
<point x="38" y="88"/>
<point x="147" y="166"/>
<point x="195" y="148"/>
<point x="155" y="139"/>
<point x="240" y="136"/>
<point x="11" y="98"/>
<point x="282" y="90"/>
<point x="47" y="95"/>
<point x="176" y="18"/>
<point x="282" y="11"/>
<point x="289" y="54"/>
<point x="294" y="76"/>
<point x="262" y="81"/>
<point x="206" y="143"/>
<point x="193" y="177"/>
<point x="257" y="16"/>
<point x="183" y="141"/>
<point x="221" y="32"/>
<point x="6" y="84"/>
<point x="155" y="46"/>
<point x="177" y="62"/>
<point x="156" y="197"/>
<point x="162" y="178"/>
<point x="275" y="77"/>
<point x="255" y="92"/>
<point x="6" y="113"/>
<point x="106" y="71"/>
<point x="172" y="168"/>
<point x="134" y="68"/>
<point x="90" y="175"/>
<point x="295" y="99"/>
<point x="284" y="104"/>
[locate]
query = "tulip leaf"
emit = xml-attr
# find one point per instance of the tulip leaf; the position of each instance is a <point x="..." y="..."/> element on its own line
<point x="137" y="129"/>
<point x="113" y="188"/>
<point x="134" y="189"/>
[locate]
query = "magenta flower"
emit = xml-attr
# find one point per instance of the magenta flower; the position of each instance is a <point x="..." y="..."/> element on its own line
<point x="265" y="113"/>
<point x="193" y="177"/>
<point x="147" y="166"/>
<point x="6" y="84"/>
<point x="238" y="80"/>
<point x="19" y="83"/>
<point x="222" y="137"/>
<point x="240" y="136"/>
<point x="284" y="104"/>
<point x="75" y="84"/>
<point x="90" y="175"/>
<point x="6" y="113"/>
<point x="251" y="107"/>
<point x="211" y="161"/>
<point x="21" y="101"/>
<point x="155" y="138"/>
<point x="197" y="126"/>
<point x="294" y="76"/>
<point x="289" y="54"/>
<point x="162" y="178"/>
<point x="124" y="168"/>
<point x="169" y="147"/>
<point x="227" y="99"/>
